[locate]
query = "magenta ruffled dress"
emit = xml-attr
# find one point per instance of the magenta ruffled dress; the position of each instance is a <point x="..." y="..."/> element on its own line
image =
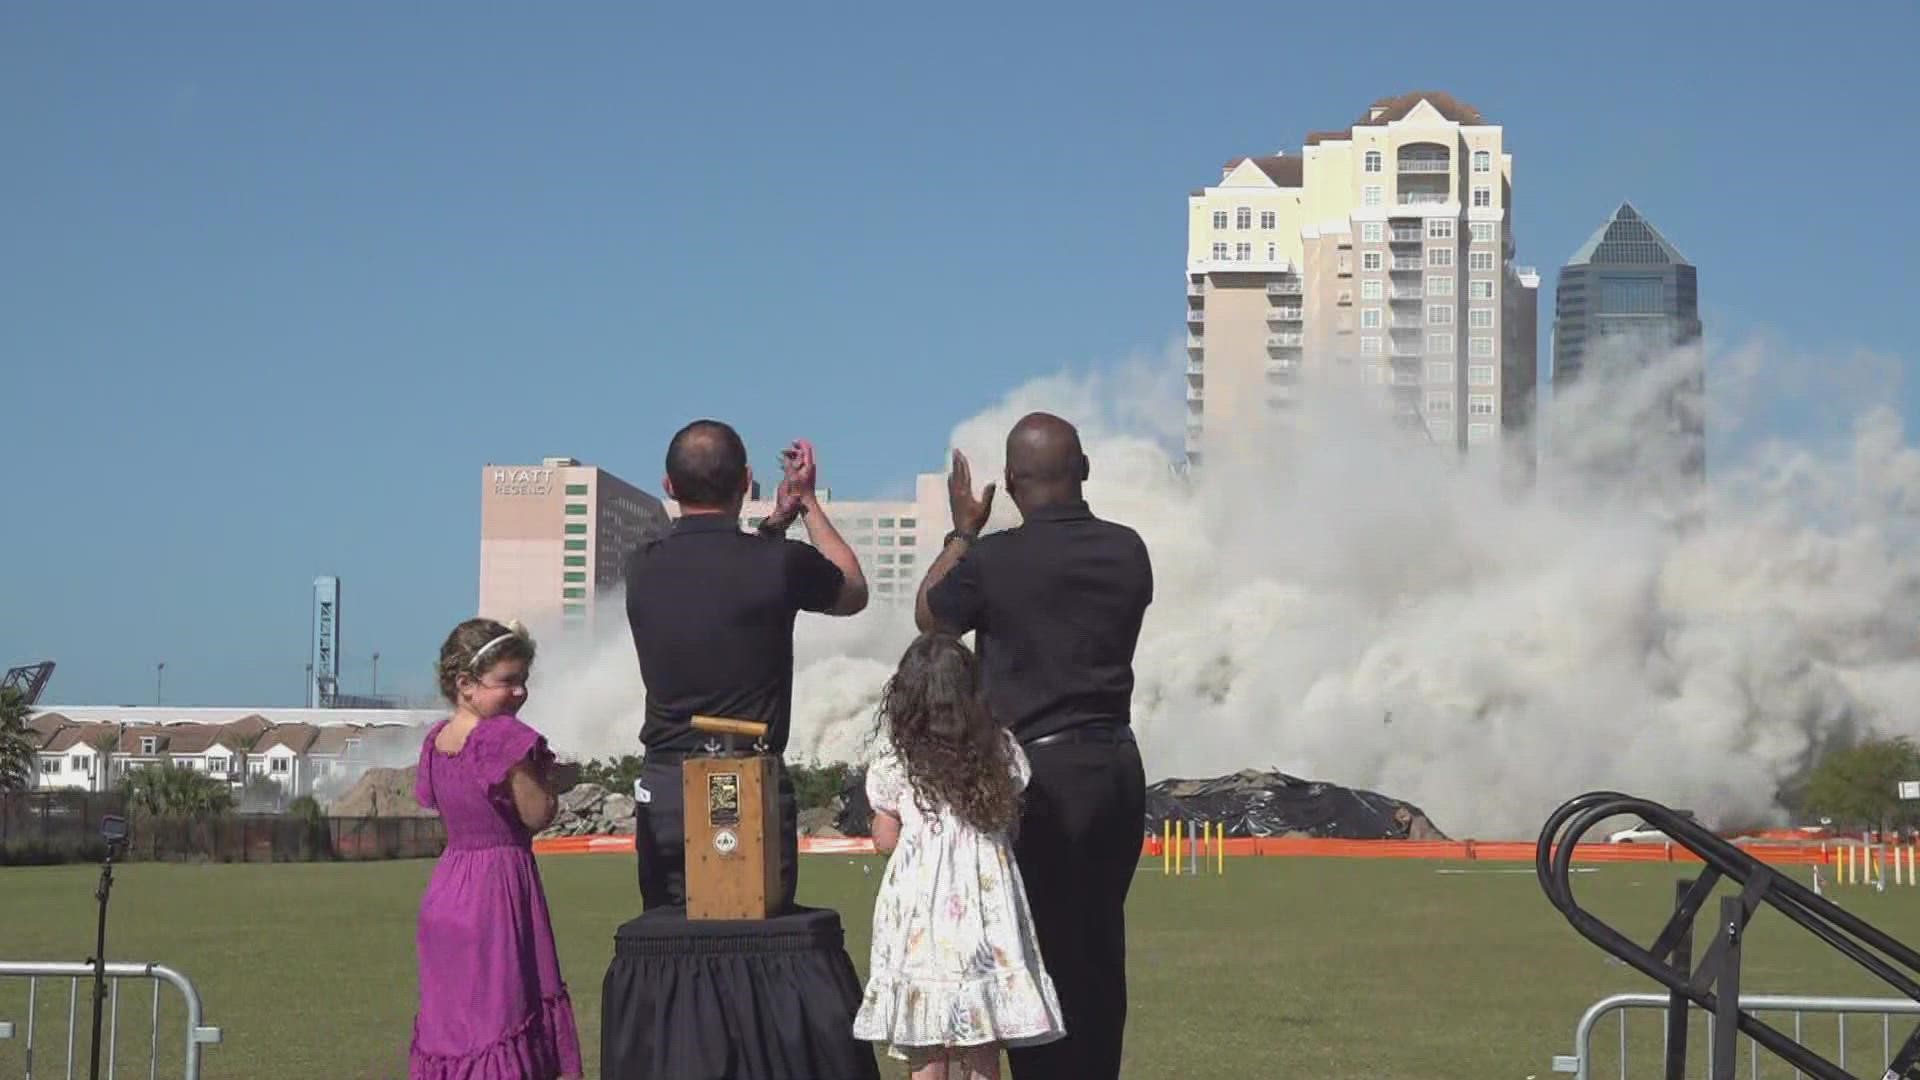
<point x="492" y="1003"/>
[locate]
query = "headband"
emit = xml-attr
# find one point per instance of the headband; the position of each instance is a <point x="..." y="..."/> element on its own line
<point x="514" y="630"/>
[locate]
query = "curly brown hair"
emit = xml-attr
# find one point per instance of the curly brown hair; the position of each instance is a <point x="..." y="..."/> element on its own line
<point x="458" y="651"/>
<point x="955" y="755"/>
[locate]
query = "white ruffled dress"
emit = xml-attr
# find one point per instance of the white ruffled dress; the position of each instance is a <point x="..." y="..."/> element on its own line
<point x="955" y="962"/>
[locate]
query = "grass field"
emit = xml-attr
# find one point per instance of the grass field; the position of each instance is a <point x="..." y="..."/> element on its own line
<point x="1284" y="967"/>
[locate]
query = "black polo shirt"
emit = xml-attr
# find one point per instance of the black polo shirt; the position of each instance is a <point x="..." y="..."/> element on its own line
<point x="711" y="609"/>
<point x="1057" y="605"/>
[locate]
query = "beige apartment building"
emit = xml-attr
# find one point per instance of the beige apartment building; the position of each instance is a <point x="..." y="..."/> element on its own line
<point x="896" y="540"/>
<point x="554" y="535"/>
<point x="1379" y="255"/>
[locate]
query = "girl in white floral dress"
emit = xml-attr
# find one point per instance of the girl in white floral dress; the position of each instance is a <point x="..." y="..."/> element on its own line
<point x="956" y="972"/>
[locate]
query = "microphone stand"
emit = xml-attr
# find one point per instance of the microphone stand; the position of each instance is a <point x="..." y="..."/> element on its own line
<point x="99" y="958"/>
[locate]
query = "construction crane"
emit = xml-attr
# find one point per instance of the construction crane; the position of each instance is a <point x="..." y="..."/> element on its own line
<point x="29" y="680"/>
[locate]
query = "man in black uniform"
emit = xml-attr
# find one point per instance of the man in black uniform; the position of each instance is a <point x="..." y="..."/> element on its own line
<point x="1057" y="605"/>
<point x="712" y="611"/>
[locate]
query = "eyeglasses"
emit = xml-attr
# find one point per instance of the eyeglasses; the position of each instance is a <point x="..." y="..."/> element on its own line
<point x="512" y="684"/>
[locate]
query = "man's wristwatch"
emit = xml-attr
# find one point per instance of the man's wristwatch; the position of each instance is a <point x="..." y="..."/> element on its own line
<point x="954" y="534"/>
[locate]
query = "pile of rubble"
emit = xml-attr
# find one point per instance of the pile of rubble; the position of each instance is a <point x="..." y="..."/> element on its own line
<point x="591" y="810"/>
<point x="379" y="793"/>
<point x="1248" y="803"/>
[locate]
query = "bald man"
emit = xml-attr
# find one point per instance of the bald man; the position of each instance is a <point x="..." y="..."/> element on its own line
<point x="711" y="609"/>
<point x="1056" y="606"/>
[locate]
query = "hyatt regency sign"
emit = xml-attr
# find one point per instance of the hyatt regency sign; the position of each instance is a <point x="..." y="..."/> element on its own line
<point x="522" y="481"/>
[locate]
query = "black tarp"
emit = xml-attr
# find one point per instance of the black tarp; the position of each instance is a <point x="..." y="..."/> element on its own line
<point x="1248" y="803"/>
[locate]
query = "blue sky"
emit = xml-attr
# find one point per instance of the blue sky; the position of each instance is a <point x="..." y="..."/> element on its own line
<point x="275" y="280"/>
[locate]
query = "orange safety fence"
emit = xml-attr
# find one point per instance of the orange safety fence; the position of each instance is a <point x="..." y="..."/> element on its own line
<point x="1459" y="850"/>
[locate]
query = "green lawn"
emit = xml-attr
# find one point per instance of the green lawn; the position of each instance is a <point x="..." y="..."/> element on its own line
<point x="1284" y="967"/>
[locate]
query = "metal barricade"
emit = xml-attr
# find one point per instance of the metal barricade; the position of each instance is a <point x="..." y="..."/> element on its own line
<point x="79" y="976"/>
<point x="1581" y="1063"/>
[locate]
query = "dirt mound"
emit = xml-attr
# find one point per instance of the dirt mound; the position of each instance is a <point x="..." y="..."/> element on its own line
<point x="380" y="793"/>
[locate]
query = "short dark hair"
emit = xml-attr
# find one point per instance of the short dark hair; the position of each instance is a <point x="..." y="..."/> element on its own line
<point x="706" y="463"/>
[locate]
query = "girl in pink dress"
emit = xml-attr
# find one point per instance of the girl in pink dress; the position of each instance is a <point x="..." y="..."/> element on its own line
<point x="492" y="1003"/>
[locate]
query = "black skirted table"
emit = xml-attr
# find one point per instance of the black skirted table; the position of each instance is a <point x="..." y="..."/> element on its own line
<point x="768" y="999"/>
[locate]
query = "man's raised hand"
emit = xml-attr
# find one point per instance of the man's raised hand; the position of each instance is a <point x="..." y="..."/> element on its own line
<point x="969" y="513"/>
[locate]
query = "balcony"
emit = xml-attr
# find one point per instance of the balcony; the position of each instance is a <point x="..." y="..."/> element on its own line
<point x="1425" y="165"/>
<point x="1406" y="236"/>
<point x="1407" y="292"/>
<point x="1406" y="350"/>
<point x="1285" y="341"/>
<point x="1403" y="263"/>
<point x="1404" y="322"/>
<point x="1422" y="198"/>
<point x="1283" y="314"/>
<point x="1196" y="288"/>
<point x="1282" y="369"/>
<point x="1196" y="368"/>
<point x="1195" y="344"/>
<point x="1195" y="395"/>
<point x="1196" y="315"/>
<point x="1283" y="288"/>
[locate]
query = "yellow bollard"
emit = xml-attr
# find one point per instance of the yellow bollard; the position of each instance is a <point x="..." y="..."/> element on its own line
<point x="1180" y="842"/>
<point x="1220" y="853"/>
<point x="1166" y="847"/>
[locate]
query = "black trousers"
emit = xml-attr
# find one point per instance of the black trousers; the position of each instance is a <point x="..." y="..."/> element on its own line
<point x="1078" y="846"/>
<point x="659" y="838"/>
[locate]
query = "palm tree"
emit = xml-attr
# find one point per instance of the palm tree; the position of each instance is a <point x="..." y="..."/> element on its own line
<point x="17" y="742"/>
<point x="104" y="746"/>
<point x="176" y="791"/>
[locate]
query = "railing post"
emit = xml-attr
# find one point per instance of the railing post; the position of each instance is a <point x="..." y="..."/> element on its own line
<point x="1726" y="1030"/>
<point x="1677" y="1004"/>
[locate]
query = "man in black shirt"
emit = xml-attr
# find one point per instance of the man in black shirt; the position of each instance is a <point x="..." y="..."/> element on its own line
<point x="712" y="611"/>
<point x="1056" y="605"/>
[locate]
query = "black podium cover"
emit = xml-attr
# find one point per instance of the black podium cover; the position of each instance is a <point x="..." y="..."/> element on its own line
<point x="769" y="999"/>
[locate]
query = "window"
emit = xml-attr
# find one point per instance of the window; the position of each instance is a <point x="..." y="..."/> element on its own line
<point x="1369" y="346"/>
<point x="573" y="594"/>
<point x="1480" y="260"/>
<point x="1440" y="229"/>
<point x="1480" y="290"/>
<point x="1371" y="261"/>
<point x="1345" y="297"/>
<point x="1220" y="251"/>
<point x="1480" y="346"/>
<point x="1243" y="218"/>
<point x="576" y="528"/>
<point x="1266" y="219"/>
<point x="149" y="744"/>
<point x="1370" y="318"/>
<point x="886" y="558"/>
<point x="576" y="560"/>
<point x="1371" y="194"/>
<point x="886" y="523"/>
<point x="576" y="509"/>
<point x="1440" y="285"/>
<point x="1373" y="290"/>
<point x="908" y="523"/>
<point x="1480" y="318"/>
<point x="1219" y="219"/>
<point x="579" y="576"/>
<point x="576" y="489"/>
<point x="1631" y="295"/>
<point x="1479" y="432"/>
<point x="884" y="589"/>
<point x="1273" y="252"/>
<point x="278" y="765"/>
<point x="905" y="558"/>
<point x="884" y="572"/>
<point x="1439" y="314"/>
<point x="51" y="766"/>
<point x="1440" y="256"/>
<point x="1373" y="232"/>
<point x="1243" y="252"/>
<point x="1480" y="375"/>
<point x="1440" y="371"/>
<point x="573" y="610"/>
<point x="1406" y="378"/>
<point x="1440" y="404"/>
<point x="907" y="541"/>
<point x="576" y="545"/>
<point x="1482" y="162"/>
<point x="1482" y="197"/>
<point x="1441" y="344"/>
<point x="1373" y="162"/>
<point x="1482" y="232"/>
<point x="1480" y="405"/>
<point x="886" y="541"/>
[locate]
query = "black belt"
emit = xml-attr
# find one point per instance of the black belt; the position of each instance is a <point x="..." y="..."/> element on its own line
<point x="1118" y="734"/>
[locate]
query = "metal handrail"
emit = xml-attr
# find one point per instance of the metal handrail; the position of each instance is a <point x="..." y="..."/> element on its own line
<point x="199" y="1033"/>
<point x="1580" y="1062"/>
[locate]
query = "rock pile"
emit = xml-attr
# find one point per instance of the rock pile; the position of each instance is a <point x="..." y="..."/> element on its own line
<point x="591" y="810"/>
